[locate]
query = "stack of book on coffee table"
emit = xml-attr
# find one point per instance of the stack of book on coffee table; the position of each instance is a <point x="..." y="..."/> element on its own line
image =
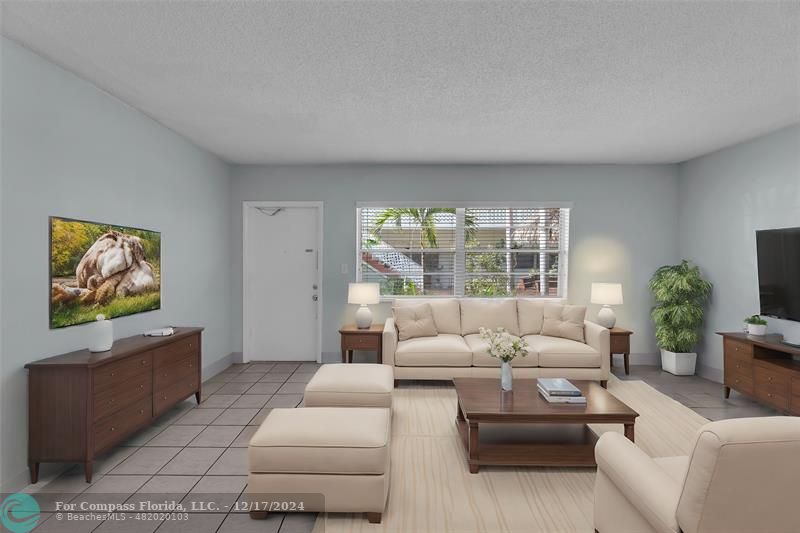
<point x="560" y="390"/>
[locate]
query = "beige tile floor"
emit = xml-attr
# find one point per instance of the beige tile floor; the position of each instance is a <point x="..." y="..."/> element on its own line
<point x="193" y="453"/>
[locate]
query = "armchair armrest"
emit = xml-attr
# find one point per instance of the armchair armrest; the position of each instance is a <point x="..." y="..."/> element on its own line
<point x="644" y="484"/>
<point x="389" y="341"/>
<point x="599" y="338"/>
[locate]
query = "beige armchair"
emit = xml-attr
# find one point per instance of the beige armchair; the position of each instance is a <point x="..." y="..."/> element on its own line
<point x="743" y="476"/>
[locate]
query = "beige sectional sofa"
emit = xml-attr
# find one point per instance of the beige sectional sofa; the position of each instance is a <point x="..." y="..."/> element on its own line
<point x="458" y="350"/>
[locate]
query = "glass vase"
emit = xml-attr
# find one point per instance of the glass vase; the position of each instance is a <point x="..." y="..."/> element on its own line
<point x="506" y="376"/>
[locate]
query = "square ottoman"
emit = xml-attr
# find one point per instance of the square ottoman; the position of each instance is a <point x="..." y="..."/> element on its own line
<point x="350" y="385"/>
<point x="320" y="459"/>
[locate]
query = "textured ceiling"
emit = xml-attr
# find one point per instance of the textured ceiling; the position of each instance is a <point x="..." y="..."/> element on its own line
<point x="510" y="82"/>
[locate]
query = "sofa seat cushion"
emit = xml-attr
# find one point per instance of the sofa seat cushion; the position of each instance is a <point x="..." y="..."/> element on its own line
<point x="322" y="440"/>
<point x="555" y="352"/>
<point x="481" y="357"/>
<point x="350" y="385"/>
<point x="442" y="350"/>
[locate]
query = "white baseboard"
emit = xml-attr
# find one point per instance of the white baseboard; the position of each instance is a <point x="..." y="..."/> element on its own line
<point x="641" y="359"/>
<point x="710" y="373"/>
<point x="219" y="365"/>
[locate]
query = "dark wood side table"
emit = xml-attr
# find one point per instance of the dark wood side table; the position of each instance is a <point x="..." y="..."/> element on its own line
<point x="621" y="343"/>
<point x="361" y="339"/>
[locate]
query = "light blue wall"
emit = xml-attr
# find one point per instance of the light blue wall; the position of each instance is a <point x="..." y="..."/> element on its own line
<point x="624" y="222"/>
<point x="69" y="149"/>
<point x="724" y="198"/>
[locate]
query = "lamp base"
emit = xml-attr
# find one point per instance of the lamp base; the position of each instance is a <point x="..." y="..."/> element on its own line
<point x="363" y="317"/>
<point x="606" y="317"/>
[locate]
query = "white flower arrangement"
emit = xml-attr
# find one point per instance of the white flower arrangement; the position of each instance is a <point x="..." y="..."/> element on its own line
<point x="503" y="345"/>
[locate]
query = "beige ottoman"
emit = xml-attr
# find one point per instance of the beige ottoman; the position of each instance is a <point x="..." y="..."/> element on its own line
<point x="321" y="459"/>
<point x="350" y="385"/>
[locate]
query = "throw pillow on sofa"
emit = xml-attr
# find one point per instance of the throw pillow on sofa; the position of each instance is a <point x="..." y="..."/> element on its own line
<point x="565" y="321"/>
<point x="414" y="321"/>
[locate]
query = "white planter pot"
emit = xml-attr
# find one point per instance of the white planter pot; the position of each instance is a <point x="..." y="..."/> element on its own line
<point x="757" y="329"/>
<point x="680" y="364"/>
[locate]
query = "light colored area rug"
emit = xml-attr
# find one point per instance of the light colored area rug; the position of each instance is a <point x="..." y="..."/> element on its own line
<point x="432" y="490"/>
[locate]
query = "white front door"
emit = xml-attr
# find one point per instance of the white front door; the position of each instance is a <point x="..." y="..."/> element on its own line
<point x="281" y="283"/>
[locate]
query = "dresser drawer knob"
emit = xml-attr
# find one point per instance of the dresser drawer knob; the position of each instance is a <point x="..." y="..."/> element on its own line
<point x="144" y="361"/>
<point x="112" y="374"/>
<point x="111" y="400"/>
<point x="141" y="411"/>
<point x="113" y="428"/>
<point x="164" y="397"/>
<point x="141" y="387"/>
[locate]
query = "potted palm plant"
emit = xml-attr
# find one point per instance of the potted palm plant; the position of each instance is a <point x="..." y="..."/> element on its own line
<point x="681" y="293"/>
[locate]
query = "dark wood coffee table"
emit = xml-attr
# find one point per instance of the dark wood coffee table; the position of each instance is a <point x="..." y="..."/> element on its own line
<point x="520" y="428"/>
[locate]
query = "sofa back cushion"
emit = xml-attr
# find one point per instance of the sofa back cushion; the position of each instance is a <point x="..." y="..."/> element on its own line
<point x="565" y="321"/>
<point x="446" y="312"/>
<point x="488" y="313"/>
<point x="531" y="316"/>
<point x="414" y="321"/>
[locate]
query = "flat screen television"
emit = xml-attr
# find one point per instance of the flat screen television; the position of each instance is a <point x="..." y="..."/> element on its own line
<point x="779" y="272"/>
<point x="98" y="268"/>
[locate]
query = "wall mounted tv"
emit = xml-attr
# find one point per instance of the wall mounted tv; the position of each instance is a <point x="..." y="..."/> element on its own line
<point x="779" y="272"/>
<point x="101" y="269"/>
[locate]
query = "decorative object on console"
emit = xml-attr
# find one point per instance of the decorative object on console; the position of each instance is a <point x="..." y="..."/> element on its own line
<point x="681" y="294"/>
<point x="756" y="325"/>
<point x="506" y="347"/>
<point x="606" y="294"/>
<point x="101" y="268"/>
<point x="363" y="294"/>
<point x="160" y="332"/>
<point x="102" y="335"/>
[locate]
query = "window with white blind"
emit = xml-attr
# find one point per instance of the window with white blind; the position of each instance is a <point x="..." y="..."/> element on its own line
<point x="464" y="250"/>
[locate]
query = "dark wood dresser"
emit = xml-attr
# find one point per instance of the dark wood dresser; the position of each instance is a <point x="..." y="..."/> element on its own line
<point x="763" y="368"/>
<point x="81" y="404"/>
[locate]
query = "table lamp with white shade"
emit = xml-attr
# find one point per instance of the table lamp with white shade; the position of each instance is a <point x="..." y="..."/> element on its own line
<point x="607" y="294"/>
<point x="363" y="294"/>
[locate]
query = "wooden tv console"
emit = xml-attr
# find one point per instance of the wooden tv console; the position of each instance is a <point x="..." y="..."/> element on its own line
<point x="763" y="368"/>
<point x="81" y="404"/>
